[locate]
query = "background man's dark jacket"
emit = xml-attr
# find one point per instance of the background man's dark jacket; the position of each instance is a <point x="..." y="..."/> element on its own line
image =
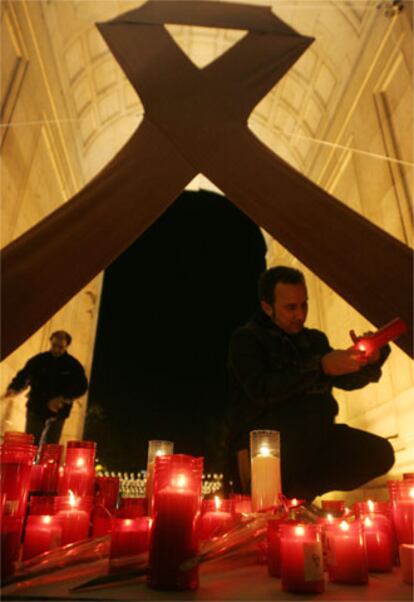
<point x="48" y="377"/>
<point x="276" y="380"/>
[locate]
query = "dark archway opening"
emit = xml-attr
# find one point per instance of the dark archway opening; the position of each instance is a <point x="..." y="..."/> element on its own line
<point x="169" y="305"/>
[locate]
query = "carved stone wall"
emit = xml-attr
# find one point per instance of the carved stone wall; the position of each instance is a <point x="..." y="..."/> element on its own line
<point x="40" y="168"/>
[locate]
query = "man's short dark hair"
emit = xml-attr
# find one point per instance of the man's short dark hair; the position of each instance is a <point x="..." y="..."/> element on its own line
<point x="272" y="276"/>
<point x="61" y="334"/>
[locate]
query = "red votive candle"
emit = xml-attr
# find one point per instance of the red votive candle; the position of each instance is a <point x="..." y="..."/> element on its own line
<point x="403" y="511"/>
<point x="372" y="342"/>
<point x="174" y="534"/>
<point x="301" y="558"/>
<point x="242" y="503"/>
<point x="133" y="507"/>
<point x="11" y="531"/>
<point x="217" y="517"/>
<point x="130" y="536"/>
<point x="101" y="519"/>
<point x="106" y="492"/>
<point x="42" y="504"/>
<point x="379" y="544"/>
<point x="50" y="458"/>
<point x="156" y="448"/>
<point x="36" y="476"/>
<point x="346" y="555"/>
<point x="15" y="470"/>
<point x="406" y="553"/>
<point x="72" y="514"/>
<point x="79" y="469"/>
<point x="334" y="507"/>
<point x="42" y="533"/>
<point x="273" y="545"/>
<point x="17" y="438"/>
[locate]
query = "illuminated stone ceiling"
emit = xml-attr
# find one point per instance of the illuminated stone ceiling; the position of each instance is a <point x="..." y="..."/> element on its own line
<point x="106" y="109"/>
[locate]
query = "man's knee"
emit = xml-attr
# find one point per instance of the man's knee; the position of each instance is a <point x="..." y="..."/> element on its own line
<point x="387" y="456"/>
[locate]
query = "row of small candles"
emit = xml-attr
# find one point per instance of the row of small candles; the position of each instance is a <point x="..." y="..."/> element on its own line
<point x="172" y="519"/>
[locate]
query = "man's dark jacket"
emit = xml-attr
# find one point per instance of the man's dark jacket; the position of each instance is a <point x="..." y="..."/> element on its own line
<point x="276" y="380"/>
<point x="49" y="376"/>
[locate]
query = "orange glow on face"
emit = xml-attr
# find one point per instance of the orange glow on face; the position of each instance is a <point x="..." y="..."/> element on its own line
<point x="217" y="502"/>
<point x="299" y="530"/>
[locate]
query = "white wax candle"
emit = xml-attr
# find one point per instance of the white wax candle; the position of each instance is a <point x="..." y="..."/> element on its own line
<point x="266" y="483"/>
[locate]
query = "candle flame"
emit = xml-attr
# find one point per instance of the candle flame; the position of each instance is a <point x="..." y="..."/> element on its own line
<point x="217" y="502"/>
<point x="299" y="530"/>
<point x="47" y="519"/>
<point x="160" y="452"/>
<point x="264" y="451"/>
<point x="329" y="518"/>
<point x="294" y="501"/>
<point x="72" y="499"/>
<point x="344" y="526"/>
<point x="180" y="481"/>
<point x="370" y="505"/>
<point x="367" y="522"/>
<point x="80" y="462"/>
<point x="411" y="492"/>
<point x="128" y="522"/>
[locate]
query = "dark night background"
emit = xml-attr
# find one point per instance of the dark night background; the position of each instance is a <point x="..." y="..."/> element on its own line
<point x="168" y="307"/>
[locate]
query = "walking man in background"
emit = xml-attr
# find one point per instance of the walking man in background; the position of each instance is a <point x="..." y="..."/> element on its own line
<point x="56" y="379"/>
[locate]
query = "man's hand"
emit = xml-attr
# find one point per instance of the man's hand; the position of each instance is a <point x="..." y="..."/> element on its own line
<point x="342" y="361"/>
<point x="375" y="356"/>
<point x="56" y="403"/>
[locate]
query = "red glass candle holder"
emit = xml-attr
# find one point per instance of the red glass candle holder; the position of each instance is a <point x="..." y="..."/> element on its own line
<point x="36" y="477"/>
<point x="155" y="448"/>
<point x="174" y="534"/>
<point x="406" y="553"/>
<point x="133" y="507"/>
<point x="15" y="471"/>
<point x="334" y="507"/>
<point x="379" y="542"/>
<point x="273" y="546"/>
<point x="301" y="558"/>
<point x="242" y="503"/>
<point x="403" y="511"/>
<point x="73" y="515"/>
<point x="50" y="459"/>
<point x="17" y="438"/>
<point x="11" y="531"/>
<point x="346" y="556"/>
<point x="42" y="504"/>
<point x="101" y="520"/>
<point x="106" y="492"/>
<point x="217" y="517"/>
<point x="369" y="507"/>
<point x="130" y="536"/>
<point x="408" y="476"/>
<point x="42" y="533"/>
<point x="79" y="470"/>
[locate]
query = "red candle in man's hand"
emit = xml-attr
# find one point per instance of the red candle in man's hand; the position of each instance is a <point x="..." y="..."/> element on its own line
<point x="371" y="343"/>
